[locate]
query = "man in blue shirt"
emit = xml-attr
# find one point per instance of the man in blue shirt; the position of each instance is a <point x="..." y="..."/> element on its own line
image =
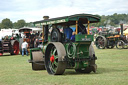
<point x="68" y="32"/>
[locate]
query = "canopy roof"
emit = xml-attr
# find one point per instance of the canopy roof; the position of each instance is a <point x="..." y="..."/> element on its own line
<point x="24" y="29"/>
<point x="82" y="18"/>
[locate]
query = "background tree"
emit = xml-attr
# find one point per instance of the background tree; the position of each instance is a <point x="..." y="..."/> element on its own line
<point x="30" y="24"/>
<point x="6" y="23"/>
<point x="112" y="20"/>
<point x="15" y="25"/>
<point x="19" y="23"/>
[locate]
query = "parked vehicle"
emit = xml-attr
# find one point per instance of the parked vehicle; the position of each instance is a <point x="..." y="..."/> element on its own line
<point x="30" y="38"/>
<point x="8" y="45"/>
<point x="122" y="43"/>
<point x="110" y="40"/>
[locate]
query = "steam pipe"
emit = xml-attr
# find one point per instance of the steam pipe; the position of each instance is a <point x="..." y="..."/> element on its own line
<point x="45" y="33"/>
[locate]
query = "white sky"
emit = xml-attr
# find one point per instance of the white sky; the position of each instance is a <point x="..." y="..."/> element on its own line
<point x="34" y="10"/>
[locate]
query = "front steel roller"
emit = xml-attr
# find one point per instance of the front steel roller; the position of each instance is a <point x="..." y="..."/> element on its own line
<point x="55" y="62"/>
<point x="15" y="47"/>
<point x="101" y="42"/>
<point x="120" y="44"/>
<point x="38" y="60"/>
<point x="92" y="66"/>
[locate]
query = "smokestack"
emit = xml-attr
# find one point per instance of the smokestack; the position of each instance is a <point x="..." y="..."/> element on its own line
<point x="121" y="29"/>
<point x="46" y="17"/>
<point x="45" y="29"/>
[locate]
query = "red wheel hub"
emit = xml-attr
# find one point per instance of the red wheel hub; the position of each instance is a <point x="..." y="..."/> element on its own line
<point x="16" y="48"/>
<point x="1" y="54"/>
<point x="52" y="58"/>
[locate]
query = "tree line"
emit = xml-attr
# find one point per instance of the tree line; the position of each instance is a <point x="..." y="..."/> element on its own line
<point x="7" y="23"/>
<point x="112" y="20"/>
<point x="109" y="20"/>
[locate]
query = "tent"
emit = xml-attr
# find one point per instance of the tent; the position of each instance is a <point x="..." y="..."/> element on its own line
<point x="125" y="32"/>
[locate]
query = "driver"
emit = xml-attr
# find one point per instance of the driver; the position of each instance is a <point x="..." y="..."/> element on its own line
<point x="68" y="32"/>
<point x="81" y="29"/>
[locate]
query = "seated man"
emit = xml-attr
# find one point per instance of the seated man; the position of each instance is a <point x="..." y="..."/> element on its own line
<point x="68" y="32"/>
<point x="82" y="29"/>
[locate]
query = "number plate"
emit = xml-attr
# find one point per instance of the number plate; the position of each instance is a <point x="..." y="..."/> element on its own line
<point x="86" y="39"/>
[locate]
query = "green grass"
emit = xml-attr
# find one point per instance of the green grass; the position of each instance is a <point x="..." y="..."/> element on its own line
<point x="112" y="70"/>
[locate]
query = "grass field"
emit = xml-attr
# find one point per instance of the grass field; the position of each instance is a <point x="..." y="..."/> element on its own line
<point x="112" y="70"/>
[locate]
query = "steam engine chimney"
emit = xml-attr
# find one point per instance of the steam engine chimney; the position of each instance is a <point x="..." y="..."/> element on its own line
<point x="46" y="17"/>
<point x="45" y="29"/>
<point x="121" y="29"/>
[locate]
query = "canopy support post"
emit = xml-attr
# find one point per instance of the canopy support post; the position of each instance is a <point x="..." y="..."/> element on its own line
<point x="88" y="27"/>
<point x="43" y="34"/>
<point x="76" y="27"/>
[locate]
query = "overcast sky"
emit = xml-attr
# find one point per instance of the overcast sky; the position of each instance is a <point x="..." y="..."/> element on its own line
<point x="34" y="10"/>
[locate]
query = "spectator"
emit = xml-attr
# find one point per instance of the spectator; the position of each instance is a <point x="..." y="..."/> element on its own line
<point x="24" y="47"/>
